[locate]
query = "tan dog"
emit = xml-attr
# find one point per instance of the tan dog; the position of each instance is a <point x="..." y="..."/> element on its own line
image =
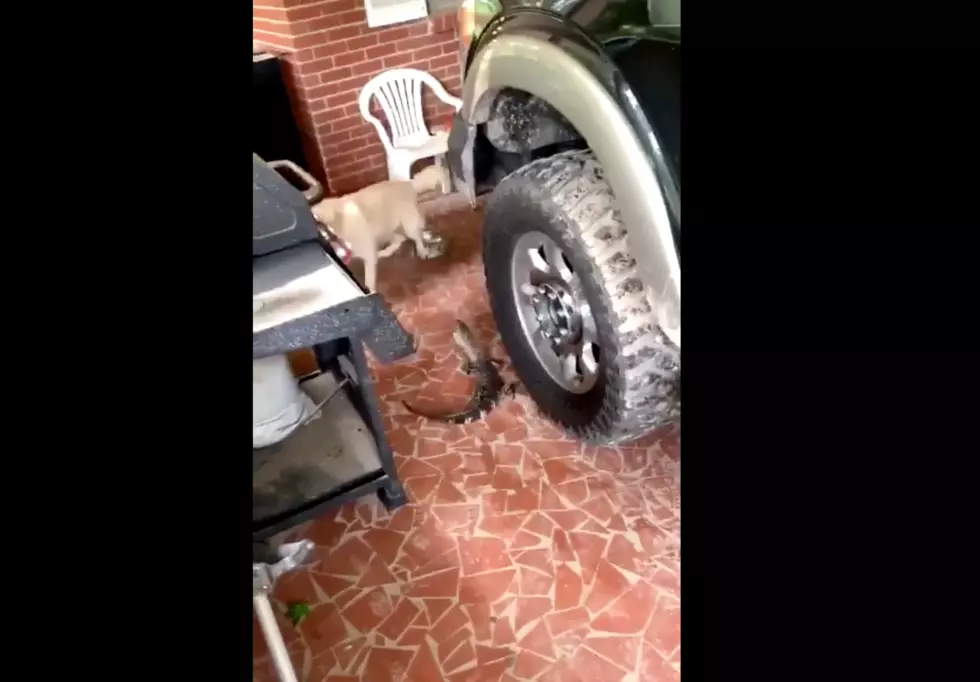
<point x="374" y="221"/>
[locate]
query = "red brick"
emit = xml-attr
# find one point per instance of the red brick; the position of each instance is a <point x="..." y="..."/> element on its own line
<point x="335" y="138"/>
<point x="382" y="50"/>
<point x="348" y="58"/>
<point x="342" y="100"/>
<point x="311" y="40"/>
<point x="420" y="28"/>
<point x="351" y="146"/>
<point x="334" y="75"/>
<point x="319" y="92"/>
<point x="319" y="23"/>
<point x="443" y="72"/>
<point x="354" y="16"/>
<point x="304" y="13"/>
<point x="410" y="44"/>
<point x="316" y="66"/>
<point x="329" y="151"/>
<point x="369" y="68"/>
<point x="345" y="32"/>
<point x="341" y="186"/>
<point x="334" y="54"/>
<point x="427" y="53"/>
<point x="273" y="13"/>
<point x="302" y="56"/>
<point x="362" y="41"/>
<point x="345" y="184"/>
<point x="302" y="10"/>
<point x="449" y="60"/>
<point x="277" y="27"/>
<point x="355" y="83"/>
<point x="445" y="22"/>
<point x="363" y="128"/>
<point x="368" y="168"/>
<point x="322" y="117"/>
<point x="281" y="42"/>
<point x="346" y="122"/>
<point x="351" y="161"/>
<point x="391" y="35"/>
<point x="368" y="136"/>
<point x="346" y="164"/>
<point x="336" y="6"/>
<point x="330" y="49"/>
<point x="396" y="60"/>
<point x="371" y="150"/>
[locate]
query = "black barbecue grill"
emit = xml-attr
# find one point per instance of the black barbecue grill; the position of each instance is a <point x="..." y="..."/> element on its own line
<point x="305" y="297"/>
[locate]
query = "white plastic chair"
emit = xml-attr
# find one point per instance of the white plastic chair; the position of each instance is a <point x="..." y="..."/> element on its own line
<point x="399" y="92"/>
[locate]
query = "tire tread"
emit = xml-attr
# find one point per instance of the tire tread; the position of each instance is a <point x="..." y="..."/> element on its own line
<point x="645" y="365"/>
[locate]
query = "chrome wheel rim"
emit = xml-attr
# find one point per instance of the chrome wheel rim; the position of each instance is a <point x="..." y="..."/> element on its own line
<point x="554" y="314"/>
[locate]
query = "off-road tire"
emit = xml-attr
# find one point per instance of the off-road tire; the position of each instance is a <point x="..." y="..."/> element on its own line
<point x="566" y="197"/>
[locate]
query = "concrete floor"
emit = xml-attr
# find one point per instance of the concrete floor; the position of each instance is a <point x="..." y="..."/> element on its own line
<point x="524" y="555"/>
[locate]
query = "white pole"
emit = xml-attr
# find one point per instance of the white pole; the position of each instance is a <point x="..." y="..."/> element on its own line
<point x="273" y="637"/>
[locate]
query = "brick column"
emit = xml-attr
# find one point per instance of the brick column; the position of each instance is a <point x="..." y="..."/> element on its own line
<point x="330" y="54"/>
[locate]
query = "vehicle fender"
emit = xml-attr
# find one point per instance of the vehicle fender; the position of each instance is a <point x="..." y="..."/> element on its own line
<point x="571" y="73"/>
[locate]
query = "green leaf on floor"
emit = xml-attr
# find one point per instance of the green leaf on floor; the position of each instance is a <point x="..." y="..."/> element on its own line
<point x="297" y="611"/>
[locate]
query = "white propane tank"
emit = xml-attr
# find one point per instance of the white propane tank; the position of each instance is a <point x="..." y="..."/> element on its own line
<point x="278" y="404"/>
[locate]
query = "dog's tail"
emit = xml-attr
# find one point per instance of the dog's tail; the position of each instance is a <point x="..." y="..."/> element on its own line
<point x="431" y="178"/>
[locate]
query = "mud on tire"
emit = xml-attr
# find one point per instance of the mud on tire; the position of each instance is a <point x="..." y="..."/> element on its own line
<point x="566" y="197"/>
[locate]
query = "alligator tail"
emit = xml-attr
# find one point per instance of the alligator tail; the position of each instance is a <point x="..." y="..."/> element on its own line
<point x="470" y="414"/>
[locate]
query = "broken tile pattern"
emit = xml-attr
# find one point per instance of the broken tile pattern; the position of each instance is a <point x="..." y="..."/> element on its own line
<point x="524" y="554"/>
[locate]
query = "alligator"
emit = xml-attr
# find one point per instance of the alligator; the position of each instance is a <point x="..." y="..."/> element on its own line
<point x="490" y="386"/>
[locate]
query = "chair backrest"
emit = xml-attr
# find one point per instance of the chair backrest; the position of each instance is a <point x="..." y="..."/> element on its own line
<point x="399" y="92"/>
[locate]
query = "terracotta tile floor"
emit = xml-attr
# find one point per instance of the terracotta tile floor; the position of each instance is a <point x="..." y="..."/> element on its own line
<point x="524" y="555"/>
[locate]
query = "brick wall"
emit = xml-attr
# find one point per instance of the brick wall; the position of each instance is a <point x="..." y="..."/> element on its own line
<point x="329" y="55"/>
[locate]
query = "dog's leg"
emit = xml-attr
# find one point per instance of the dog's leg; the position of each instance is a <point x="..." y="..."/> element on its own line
<point x="363" y="247"/>
<point x="414" y="226"/>
<point x="444" y="184"/>
<point x="371" y="272"/>
<point x="392" y="247"/>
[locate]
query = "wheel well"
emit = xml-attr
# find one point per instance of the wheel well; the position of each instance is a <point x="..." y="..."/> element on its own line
<point x="516" y="127"/>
